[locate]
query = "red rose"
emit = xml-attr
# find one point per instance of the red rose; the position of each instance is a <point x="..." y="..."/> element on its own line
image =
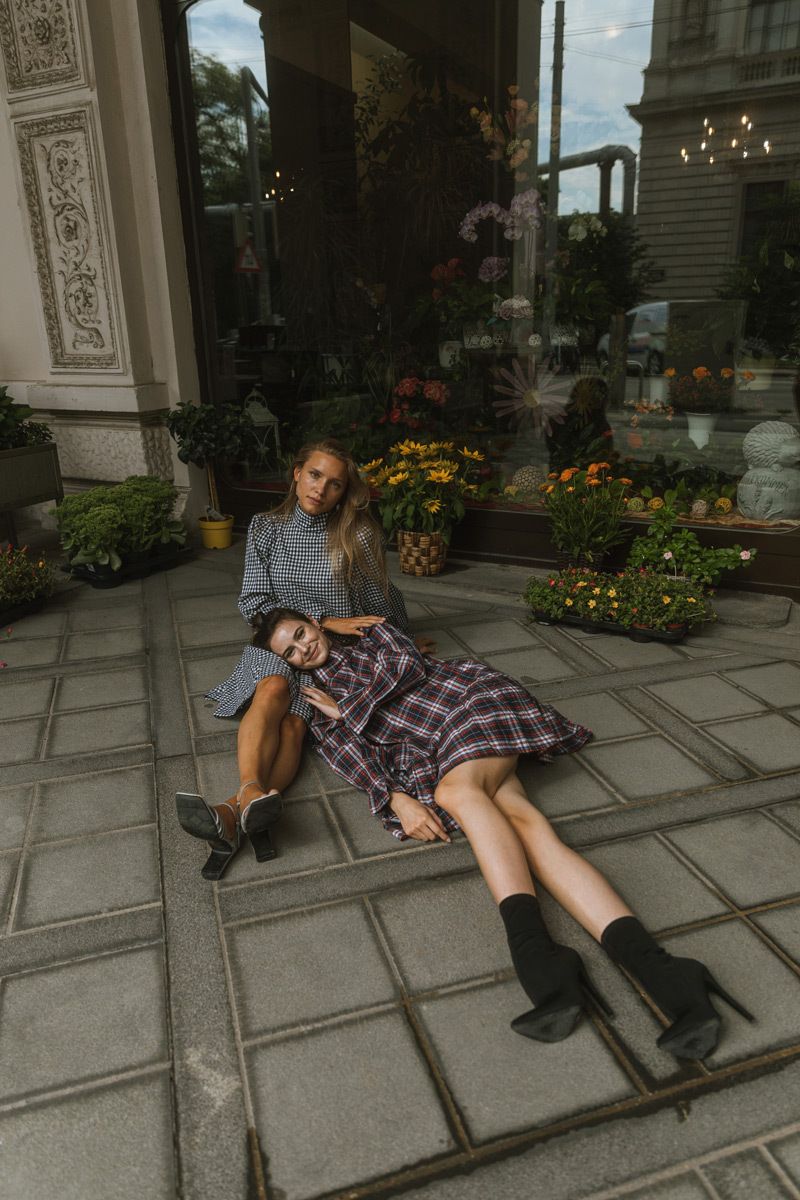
<point x="395" y="415"/>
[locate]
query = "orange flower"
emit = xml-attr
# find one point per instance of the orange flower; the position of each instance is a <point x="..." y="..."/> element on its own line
<point x="670" y="371"/>
<point x="727" y="373"/>
<point x="594" y="483"/>
<point x="748" y="376"/>
<point x="550" y="489"/>
<point x="701" y="372"/>
<point x="635" y="441"/>
<point x="592" y="469"/>
<point x="627" y="482"/>
<point x="606" y="466"/>
<point x="565" y="477"/>
<point x="553" y="475"/>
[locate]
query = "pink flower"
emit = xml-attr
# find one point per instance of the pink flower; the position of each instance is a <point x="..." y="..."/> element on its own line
<point x="667" y="554"/>
<point x="745" y="555"/>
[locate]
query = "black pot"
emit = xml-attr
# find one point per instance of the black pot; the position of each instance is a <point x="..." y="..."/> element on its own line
<point x="15" y="611"/>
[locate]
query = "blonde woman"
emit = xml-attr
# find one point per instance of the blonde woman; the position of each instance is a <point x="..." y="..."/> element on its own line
<point x="320" y="550"/>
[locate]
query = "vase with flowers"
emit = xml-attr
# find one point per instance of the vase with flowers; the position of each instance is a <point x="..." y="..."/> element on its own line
<point x="585" y="509"/>
<point x="701" y="395"/>
<point x="467" y="309"/>
<point x="422" y="489"/>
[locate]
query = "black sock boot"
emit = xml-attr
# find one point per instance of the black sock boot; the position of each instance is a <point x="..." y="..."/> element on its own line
<point x="551" y="974"/>
<point x="679" y="986"/>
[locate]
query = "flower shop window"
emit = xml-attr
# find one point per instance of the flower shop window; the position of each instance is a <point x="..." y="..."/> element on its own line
<point x="389" y="255"/>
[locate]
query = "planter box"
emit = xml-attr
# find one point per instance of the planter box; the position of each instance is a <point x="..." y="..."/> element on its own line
<point x="637" y="633"/>
<point x="29" y="475"/>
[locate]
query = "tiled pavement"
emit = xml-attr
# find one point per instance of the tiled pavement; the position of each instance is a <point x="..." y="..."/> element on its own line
<point x="335" y="1022"/>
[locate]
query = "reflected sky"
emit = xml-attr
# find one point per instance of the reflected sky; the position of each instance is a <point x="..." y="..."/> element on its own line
<point x="606" y="47"/>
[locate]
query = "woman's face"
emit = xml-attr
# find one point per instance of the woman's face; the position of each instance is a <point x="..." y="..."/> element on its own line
<point x="301" y="643"/>
<point x="321" y="483"/>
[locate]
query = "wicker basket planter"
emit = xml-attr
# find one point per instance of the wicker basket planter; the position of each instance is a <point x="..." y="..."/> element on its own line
<point x="421" y="553"/>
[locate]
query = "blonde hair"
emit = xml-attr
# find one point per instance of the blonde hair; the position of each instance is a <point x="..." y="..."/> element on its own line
<point x="355" y="545"/>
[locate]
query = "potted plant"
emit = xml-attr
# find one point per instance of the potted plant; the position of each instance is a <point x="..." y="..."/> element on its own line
<point x="29" y="471"/>
<point x="422" y="489"/>
<point x="90" y="530"/>
<point x="207" y="434"/>
<point x="702" y="396"/>
<point x="26" y="581"/>
<point x="145" y="504"/>
<point x="585" y="509"/>
<point x="678" y="551"/>
<point x="415" y="402"/>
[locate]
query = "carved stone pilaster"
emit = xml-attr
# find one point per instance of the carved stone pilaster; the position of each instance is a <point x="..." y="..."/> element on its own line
<point x="62" y="184"/>
<point x="40" y="44"/>
<point x="110" y="450"/>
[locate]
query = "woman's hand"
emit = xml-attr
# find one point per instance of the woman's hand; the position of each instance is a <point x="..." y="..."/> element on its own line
<point x="424" y="644"/>
<point x="418" y="820"/>
<point x="321" y="700"/>
<point x="350" y="625"/>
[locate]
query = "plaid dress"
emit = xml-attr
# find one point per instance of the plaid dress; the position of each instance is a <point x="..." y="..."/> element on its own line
<point x="286" y="564"/>
<point x="407" y="720"/>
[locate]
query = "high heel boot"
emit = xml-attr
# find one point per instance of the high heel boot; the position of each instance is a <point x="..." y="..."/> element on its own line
<point x="551" y="974"/>
<point x="679" y="986"/>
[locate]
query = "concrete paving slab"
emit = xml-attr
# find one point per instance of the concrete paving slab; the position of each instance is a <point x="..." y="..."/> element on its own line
<point x="649" y="766"/>
<point x="64" y="880"/>
<point x="787" y="1153"/>
<point x="782" y="925"/>
<point x="789" y="813"/>
<point x="506" y="1083"/>
<point x="444" y="932"/>
<point x="99" y="729"/>
<point x="748" y="969"/>
<point x="28" y="652"/>
<point x="604" y="715"/>
<point x="743" y="1177"/>
<point x="215" y="632"/>
<point x="562" y="787"/>
<point x="622" y="653"/>
<point x="293" y="970"/>
<point x="363" y="832"/>
<point x="752" y="610"/>
<point x="687" y="1186"/>
<point x="701" y="647"/>
<point x="778" y="683"/>
<point x="108" y="617"/>
<point x="203" y="720"/>
<point x="447" y="646"/>
<point x="417" y="611"/>
<point x="770" y="743"/>
<point x="208" y="608"/>
<point x="489" y="635"/>
<point x="328" y="780"/>
<point x="8" y="874"/>
<point x="43" y="624"/>
<point x="204" y="674"/>
<point x="218" y="775"/>
<point x="21" y="740"/>
<point x="101" y="688"/>
<point x="15" y="804"/>
<point x="747" y="856"/>
<point x="102" y="643"/>
<point x="661" y="890"/>
<point x="705" y="698"/>
<point x="532" y="667"/>
<point x="191" y="579"/>
<point x="108" y="1142"/>
<point x="337" y="1082"/>
<point x="25" y="699"/>
<point x="82" y="1021"/>
<point x="129" y="592"/>
<point x="305" y="840"/>
<point x="86" y="804"/>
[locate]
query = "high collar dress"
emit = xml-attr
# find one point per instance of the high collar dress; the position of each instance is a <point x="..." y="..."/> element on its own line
<point x="287" y="565"/>
<point x="408" y="719"/>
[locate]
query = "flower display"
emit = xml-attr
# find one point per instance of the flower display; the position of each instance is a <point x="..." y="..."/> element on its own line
<point x="493" y="269"/>
<point x="523" y="214"/>
<point x="585" y="508"/>
<point x="414" y="401"/>
<point x="503" y="132"/>
<point x="541" y="396"/>
<point x="24" y="577"/>
<point x="635" y="596"/>
<point x="515" y="307"/>
<point x="701" y="390"/>
<point x="678" y="551"/>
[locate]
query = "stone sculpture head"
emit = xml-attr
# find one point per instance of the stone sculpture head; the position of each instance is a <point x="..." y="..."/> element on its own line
<point x="770" y="489"/>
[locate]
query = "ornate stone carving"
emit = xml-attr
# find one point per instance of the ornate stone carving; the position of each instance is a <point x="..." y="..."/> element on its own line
<point x="157" y="451"/>
<point x="91" y="450"/>
<point x="39" y="40"/>
<point x="770" y="489"/>
<point x="62" y="189"/>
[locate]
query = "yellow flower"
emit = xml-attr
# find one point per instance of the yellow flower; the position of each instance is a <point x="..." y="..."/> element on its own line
<point x="440" y="476"/>
<point x="569" y="602"/>
<point x="691" y="600"/>
<point x="592" y="604"/>
<point x="615" y="604"/>
<point x="723" y="505"/>
<point x="510" y="490"/>
<point x="595" y="591"/>
<point x="41" y="564"/>
<point x="434" y="446"/>
<point x="612" y="591"/>
<point x="432" y="506"/>
<point x="398" y="478"/>
<point x="667" y="599"/>
<point x="476" y="454"/>
<point x="581" y="583"/>
<point x="370" y="466"/>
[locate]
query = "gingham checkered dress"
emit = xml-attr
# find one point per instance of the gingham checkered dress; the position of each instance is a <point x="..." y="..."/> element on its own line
<point x="287" y="565"/>
<point x="409" y="719"/>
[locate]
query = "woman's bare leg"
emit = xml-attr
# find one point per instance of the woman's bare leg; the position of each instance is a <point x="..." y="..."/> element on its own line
<point x="570" y="879"/>
<point x="465" y="793"/>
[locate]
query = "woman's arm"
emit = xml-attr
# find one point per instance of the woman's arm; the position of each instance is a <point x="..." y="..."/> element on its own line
<point x="257" y="595"/>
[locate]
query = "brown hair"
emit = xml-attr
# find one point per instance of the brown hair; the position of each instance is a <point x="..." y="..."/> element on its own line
<point x="354" y="538"/>
<point x="265" y="623"/>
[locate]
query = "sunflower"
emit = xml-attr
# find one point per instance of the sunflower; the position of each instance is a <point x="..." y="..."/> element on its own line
<point x="542" y="397"/>
<point x="440" y="476"/>
<point x="370" y="466"/>
<point x="398" y="478"/>
<point x="475" y="454"/>
<point x="432" y="506"/>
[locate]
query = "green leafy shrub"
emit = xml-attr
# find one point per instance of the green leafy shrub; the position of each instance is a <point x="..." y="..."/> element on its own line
<point x="678" y="551"/>
<point x="15" y="428"/>
<point x="102" y="525"/>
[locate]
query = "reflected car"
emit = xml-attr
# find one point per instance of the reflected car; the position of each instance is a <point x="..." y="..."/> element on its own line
<point x="647" y="332"/>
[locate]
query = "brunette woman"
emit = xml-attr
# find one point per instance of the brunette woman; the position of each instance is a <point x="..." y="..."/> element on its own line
<point x="320" y="550"/>
<point x="435" y="743"/>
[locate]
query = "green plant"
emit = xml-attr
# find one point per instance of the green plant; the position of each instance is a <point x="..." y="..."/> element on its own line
<point x="101" y="525"/>
<point x="585" y="509"/>
<point x="423" y="486"/>
<point x="677" y="551"/>
<point x="90" y="531"/>
<point x="207" y="433"/>
<point x="629" y="597"/>
<point x="702" y="391"/>
<point x="15" y="428"/>
<point x="145" y="504"/>
<point x="24" y="577"/>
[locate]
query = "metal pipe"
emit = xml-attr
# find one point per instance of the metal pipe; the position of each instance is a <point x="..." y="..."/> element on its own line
<point x="606" y="154"/>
